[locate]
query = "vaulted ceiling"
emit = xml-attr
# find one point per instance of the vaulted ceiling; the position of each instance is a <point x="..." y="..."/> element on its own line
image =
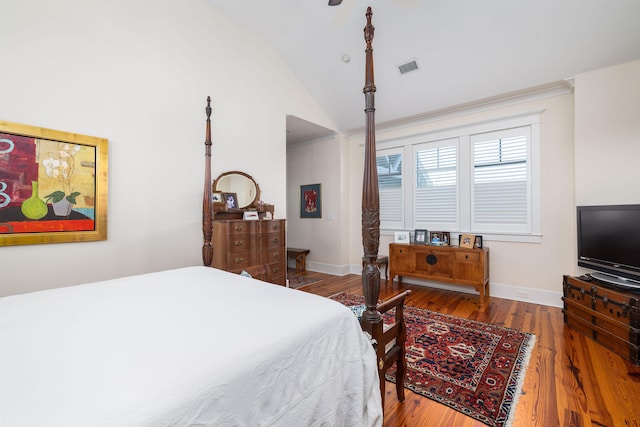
<point x="465" y="50"/>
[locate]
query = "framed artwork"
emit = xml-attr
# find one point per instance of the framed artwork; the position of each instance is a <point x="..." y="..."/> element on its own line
<point x="420" y="237"/>
<point x="250" y="215"/>
<point x="53" y="186"/>
<point x="230" y="200"/>
<point x="401" y="237"/>
<point x="477" y="244"/>
<point x="466" y="240"/>
<point x="310" y="201"/>
<point x="439" y="238"/>
<point x="216" y="197"/>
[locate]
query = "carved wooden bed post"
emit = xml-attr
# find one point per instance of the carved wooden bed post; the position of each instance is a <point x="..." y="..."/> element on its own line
<point x="207" y="210"/>
<point x="371" y="319"/>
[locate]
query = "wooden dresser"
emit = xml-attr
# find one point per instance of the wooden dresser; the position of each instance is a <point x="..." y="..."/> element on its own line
<point x="450" y="264"/>
<point x="609" y="316"/>
<point x="239" y="244"/>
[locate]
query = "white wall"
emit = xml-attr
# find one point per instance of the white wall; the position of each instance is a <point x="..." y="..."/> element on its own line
<point x="138" y="73"/>
<point x="319" y="162"/>
<point x="607" y="143"/>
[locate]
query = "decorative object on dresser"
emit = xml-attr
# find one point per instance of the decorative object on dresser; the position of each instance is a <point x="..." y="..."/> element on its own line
<point x="239" y="193"/>
<point x="448" y="264"/>
<point x="240" y="244"/>
<point x="610" y="316"/>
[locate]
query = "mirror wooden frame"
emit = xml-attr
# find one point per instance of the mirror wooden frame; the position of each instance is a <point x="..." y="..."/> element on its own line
<point x="220" y="177"/>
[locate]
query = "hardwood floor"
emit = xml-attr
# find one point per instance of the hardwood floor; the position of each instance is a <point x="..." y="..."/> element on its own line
<point x="570" y="381"/>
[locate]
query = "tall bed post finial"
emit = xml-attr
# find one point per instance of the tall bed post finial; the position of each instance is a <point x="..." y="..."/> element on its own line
<point x="207" y="210"/>
<point x="370" y="195"/>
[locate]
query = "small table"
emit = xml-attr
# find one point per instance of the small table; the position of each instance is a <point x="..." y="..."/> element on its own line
<point x="301" y="258"/>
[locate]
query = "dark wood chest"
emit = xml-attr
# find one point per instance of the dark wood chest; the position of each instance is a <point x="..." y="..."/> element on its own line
<point x="609" y="316"/>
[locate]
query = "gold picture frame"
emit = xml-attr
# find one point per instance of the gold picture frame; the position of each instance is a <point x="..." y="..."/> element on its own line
<point x="53" y="186"/>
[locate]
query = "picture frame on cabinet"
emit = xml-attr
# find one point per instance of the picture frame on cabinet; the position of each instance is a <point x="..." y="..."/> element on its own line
<point x="216" y="197"/>
<point x="401" y="237"/>
<point x="466" y="240"/>
<point x="471" y="241"/>
<point x="420" y="237"/>
<point x="439" y="238"/>
<point x="53" y="186"/>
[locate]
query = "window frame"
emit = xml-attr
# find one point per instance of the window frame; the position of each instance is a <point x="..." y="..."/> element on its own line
<point x="463" y="133"/>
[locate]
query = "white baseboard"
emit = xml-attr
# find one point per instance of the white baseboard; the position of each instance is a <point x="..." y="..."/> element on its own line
<point x="336" y="270"/>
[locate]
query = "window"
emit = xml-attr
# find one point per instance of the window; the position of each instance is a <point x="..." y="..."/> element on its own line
<point x="501" y="181"/>
<point x="436" y="191"/>
<point x="481" y="178"/>
<point x="389" y="168"/>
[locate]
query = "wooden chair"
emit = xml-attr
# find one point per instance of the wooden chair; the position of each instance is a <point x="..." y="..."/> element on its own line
<point x="390" y="341"/>
<point x="259" y="272"/>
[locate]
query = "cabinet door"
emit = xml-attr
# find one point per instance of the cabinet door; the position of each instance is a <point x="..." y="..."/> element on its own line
<point x="468" y="266"/>
<point x="433" y="262"/>
<point x="400" y="259"/>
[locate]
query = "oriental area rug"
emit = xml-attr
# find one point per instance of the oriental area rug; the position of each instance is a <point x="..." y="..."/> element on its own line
<point x="473" y="367"/>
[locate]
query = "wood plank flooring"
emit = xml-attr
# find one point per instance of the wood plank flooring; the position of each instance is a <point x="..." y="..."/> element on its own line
<point x="571" y="380"/>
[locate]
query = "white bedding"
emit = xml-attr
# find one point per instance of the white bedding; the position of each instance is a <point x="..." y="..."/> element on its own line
<point x="187" y="347"/>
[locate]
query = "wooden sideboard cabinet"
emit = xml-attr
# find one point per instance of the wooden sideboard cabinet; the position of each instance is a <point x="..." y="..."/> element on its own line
<point x="239" y="244"/>
<point x="609" y="316"/>
<point x="450" y="264"/>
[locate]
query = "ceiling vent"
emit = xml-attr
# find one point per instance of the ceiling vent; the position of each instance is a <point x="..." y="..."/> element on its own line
<point x="409" y="66"/>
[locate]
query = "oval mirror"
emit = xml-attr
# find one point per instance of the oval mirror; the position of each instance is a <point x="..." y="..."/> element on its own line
<point x="242" y="184"/>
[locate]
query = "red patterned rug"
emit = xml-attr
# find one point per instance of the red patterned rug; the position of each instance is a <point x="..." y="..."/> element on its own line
<point x="473" y="367"/>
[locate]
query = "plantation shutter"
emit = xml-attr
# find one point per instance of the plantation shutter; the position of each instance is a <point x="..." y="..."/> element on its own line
<point x="436" y="191"/>
<point x="501" y="181"/>
<point x="390" y="187"/>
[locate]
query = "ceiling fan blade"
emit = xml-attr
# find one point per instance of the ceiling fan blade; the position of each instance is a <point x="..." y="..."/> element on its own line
<point x="335" y="2"/>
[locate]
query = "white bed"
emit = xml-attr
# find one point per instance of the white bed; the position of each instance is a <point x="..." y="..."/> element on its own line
<point x="187" y="347"/>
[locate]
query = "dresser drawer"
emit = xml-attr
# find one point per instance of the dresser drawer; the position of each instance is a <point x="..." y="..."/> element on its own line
<point x="241" y="260"/>
<point x="272" y="240"/>
<point x="467" y="256"/>
<point x="241" y="227"/>
<point x="272" y="226"/>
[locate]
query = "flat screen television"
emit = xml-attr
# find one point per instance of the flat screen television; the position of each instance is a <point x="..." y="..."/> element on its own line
<point x="609" y="243"/>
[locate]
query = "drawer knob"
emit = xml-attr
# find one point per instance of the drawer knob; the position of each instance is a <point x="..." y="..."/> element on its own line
<point x="238" y="243"/>
<point x="432" y="259"/>
<point x="275" y="240"/>
<point x="238" y="228"/>
<point x="239" y="260"/>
